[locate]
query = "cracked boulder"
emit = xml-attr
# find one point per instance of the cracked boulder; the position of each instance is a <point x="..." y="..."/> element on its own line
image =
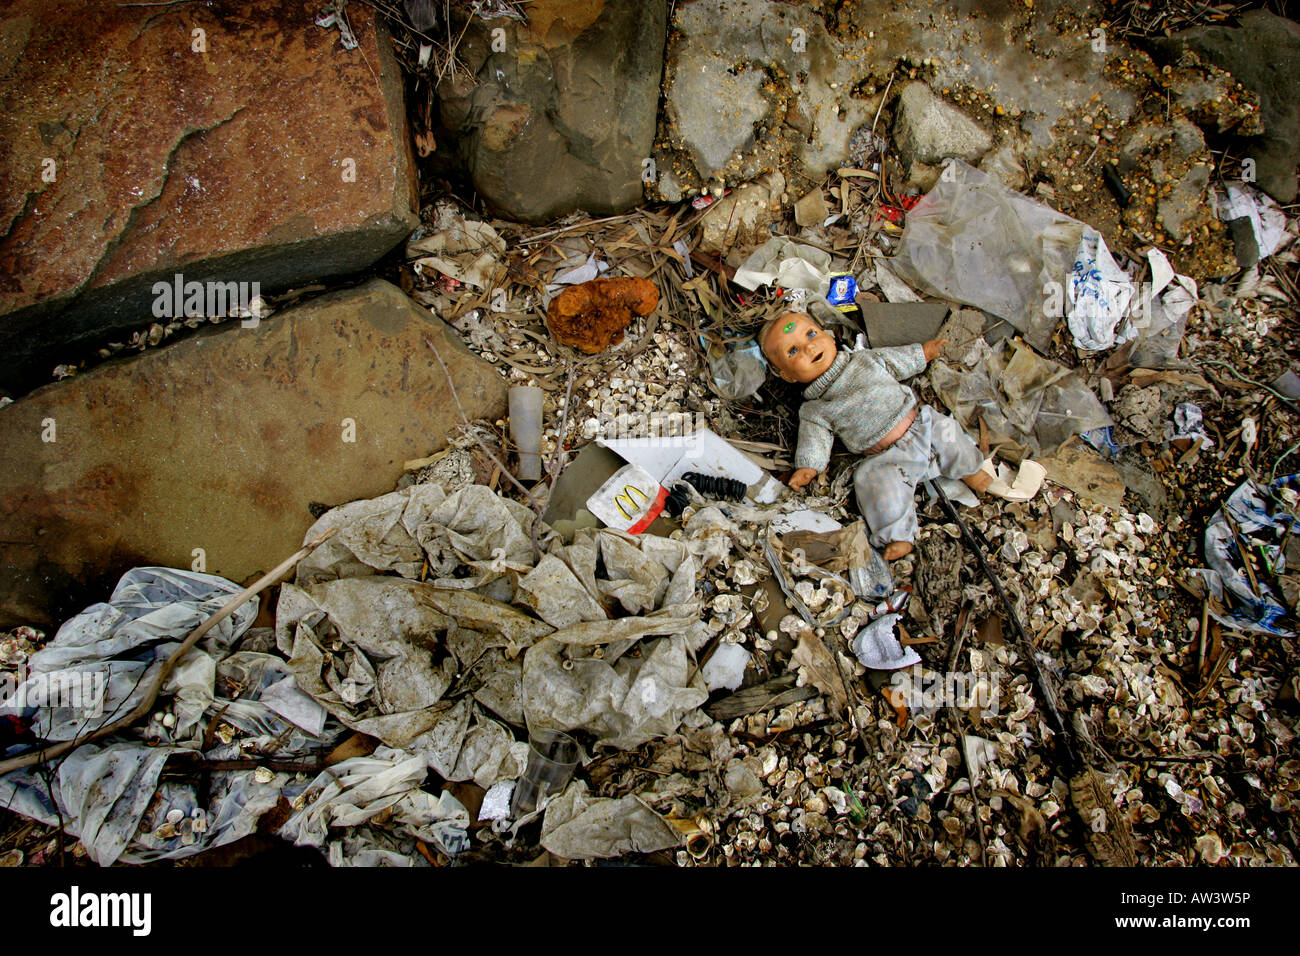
<point x="227" y="143"/>
<point x="210" y="453"/>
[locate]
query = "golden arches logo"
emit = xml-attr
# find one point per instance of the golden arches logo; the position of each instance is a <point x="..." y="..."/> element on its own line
<point x="625" y="496"/>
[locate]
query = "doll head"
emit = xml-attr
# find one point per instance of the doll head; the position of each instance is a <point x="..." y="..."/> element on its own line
<point x="798" y="348"/>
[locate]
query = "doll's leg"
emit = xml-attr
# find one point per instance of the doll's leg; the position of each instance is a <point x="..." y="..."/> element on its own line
<point x="886" y="492"/>
<point x="958" y="456"/>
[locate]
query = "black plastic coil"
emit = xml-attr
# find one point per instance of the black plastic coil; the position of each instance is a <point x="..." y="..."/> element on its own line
<point x="715" y="486"/>
<point x="677" y="500"/>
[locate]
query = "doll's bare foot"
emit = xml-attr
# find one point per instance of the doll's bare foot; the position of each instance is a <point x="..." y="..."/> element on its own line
<point x="978" y="482"/>
<point x="897" y="549"/>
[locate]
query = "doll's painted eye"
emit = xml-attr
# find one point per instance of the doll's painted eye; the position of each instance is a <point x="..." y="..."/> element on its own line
<point x="793" y="351"/>
<point x="812" y="333"/>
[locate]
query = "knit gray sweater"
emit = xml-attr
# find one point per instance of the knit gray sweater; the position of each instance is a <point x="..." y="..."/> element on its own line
<point x="858" y="398"/>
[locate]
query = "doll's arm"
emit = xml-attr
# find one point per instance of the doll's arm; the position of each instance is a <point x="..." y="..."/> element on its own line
<point x="902" y="361"/>
<point x="814" y="449"/>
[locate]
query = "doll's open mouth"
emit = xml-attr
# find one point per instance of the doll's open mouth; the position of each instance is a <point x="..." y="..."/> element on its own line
<point x="818" y="357"/>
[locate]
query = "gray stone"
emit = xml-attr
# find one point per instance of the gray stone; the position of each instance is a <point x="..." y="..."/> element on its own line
<point x="221" y="442"/>
<point x="902" y="323"/>
<point x="715" y="108"/>
<point x="273" y="157"/>
<point x="670" y="190"/>
<point x="564" y="118"/>
<point x="1184" y="201"/>
<point x="740" y="221"/>
<point x="1263" y="54"/>
<point x="929" y="130"/>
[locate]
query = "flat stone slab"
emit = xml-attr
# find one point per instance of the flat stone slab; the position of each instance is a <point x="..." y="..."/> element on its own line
<point x="902" y="323"/>
<point x="221" y="442"/>
<point x="234" y="142"/>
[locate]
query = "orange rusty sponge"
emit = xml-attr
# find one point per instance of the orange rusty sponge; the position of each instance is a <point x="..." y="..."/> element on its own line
<point x="592" y="316"/>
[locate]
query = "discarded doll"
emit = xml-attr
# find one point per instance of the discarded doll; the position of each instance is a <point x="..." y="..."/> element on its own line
<point x="858" y="396"/>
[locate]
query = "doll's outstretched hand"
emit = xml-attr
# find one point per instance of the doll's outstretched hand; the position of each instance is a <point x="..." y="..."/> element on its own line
<point x="933" y="348"/>
<point x="802" y="476"/>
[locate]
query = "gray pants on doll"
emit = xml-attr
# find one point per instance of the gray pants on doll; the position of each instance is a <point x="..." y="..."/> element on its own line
<point x="935" y="446"/>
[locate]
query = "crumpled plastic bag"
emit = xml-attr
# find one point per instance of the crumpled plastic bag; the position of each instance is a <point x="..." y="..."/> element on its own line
<point x="623" y="704"/>
<point x="109" y="797"/>
<point x="1188" y="423"/>
<point x="846" y="551"/>
<point x="972" y="240"/>
<point x="788" y="264"/>
<point x="557" y="594"/>
<point x="1097" y="295"/>
<point x="737" y="372"/>
<point x="1159" y="319"/>
<point x="118" y="646"/>
<point x="708" y="536"/>
<point x="1235" y="603"/>
<point x="370" y="536"/>
<point x="725" y="669"/>
<point x="1266" y="221"/>
<point x="267" y="696"/>
<point x="387" y="781"/>
<point x="109" y="793"/>
<point x="366" y="648"/>
<point x="490" y="755"/>
<point x="400" y="530"/>
<point x="368" y="846"/>
<point x="577" y="826"/>
<point x="876" y="647"/>
<point x="1032" y="402"/>
<point x="477" y="527"/>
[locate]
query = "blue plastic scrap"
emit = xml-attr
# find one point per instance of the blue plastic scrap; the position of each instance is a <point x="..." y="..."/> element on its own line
<point x="1255" y="515"/>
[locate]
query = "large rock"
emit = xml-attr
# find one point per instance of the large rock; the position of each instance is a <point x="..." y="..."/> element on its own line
<point x="230" y="164"/>
<point x="1263" y="54"/>
<point x="222" y="441"/>
<point x="563" y="117"/>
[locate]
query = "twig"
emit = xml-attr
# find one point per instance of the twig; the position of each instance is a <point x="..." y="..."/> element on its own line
<point x="576" y="225"/>
<point x="958" y="640"/>
<point x="155" y="686"/>
<point x="1241" y="549"/>
<point x="883" y="97"/>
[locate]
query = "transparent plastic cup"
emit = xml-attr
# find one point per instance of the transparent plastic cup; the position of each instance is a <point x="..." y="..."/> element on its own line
<point x="552" y="755"/>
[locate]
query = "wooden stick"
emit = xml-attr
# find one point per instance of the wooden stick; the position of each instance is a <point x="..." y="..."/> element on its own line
<point x="1242" y="549"/>
<point x="146" y="704"/>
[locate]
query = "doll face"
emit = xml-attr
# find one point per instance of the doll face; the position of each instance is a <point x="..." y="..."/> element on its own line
<point x="798" y="348"/>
